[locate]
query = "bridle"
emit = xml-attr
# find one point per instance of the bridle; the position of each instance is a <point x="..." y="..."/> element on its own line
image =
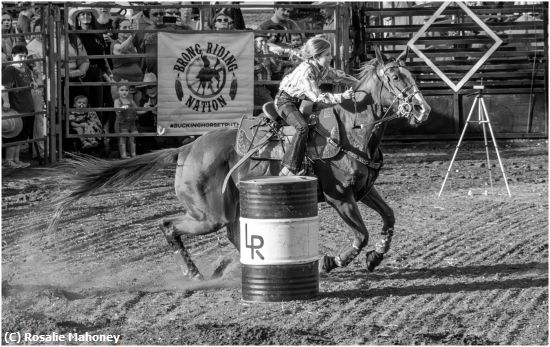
<point x="402" y="97"/>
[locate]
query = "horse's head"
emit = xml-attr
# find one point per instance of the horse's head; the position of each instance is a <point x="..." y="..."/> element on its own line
<point x="392" y="86"/>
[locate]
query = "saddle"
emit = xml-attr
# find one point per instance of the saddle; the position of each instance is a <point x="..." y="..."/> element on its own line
<point x="270" y="136"/>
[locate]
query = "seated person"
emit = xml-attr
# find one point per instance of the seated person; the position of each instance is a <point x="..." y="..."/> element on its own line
<point x="85" y="122"/>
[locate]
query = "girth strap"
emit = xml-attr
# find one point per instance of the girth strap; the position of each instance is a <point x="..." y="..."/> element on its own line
<point x="351" y="151"/>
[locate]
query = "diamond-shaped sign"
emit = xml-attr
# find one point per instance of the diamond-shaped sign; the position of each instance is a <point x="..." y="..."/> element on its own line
<point x="455" y="87"/>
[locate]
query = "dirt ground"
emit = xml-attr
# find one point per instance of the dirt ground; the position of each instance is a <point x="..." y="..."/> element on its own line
<point x="464" y="269"/>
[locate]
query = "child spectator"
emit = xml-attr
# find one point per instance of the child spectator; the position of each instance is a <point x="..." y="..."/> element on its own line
<point x="296" y="40"/>
<point x="15" y="76"/>
<point x="126" y="120"/>
<point x="85" y="122"/>
<point x="127" y="69"/>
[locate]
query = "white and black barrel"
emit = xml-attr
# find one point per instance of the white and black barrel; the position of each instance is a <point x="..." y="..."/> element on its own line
<point x="279" y="238"/>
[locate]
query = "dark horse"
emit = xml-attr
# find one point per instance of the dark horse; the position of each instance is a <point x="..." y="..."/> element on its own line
<point x="386" y="90"/>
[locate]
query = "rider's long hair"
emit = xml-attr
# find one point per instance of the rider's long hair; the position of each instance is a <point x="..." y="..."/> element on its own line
<point x="314" y="47"/>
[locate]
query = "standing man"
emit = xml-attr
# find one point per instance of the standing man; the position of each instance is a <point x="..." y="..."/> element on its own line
<point x="280" y="21"/>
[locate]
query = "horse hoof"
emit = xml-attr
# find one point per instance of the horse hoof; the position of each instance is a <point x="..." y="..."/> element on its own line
<point x="327" y="264"/>
<point x="196" y="277"/>
<point x="373" y="260"/>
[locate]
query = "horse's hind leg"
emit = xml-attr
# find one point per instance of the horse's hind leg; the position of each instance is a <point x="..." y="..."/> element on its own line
<point x="377" y="203"/>
<point x="174" y="228"/>
<point x="188" y="268"/>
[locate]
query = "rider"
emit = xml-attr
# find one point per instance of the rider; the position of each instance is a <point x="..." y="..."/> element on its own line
<point x="303" y="84"/>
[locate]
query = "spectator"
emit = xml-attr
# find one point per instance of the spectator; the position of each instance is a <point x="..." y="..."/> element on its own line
<point x="328" y="24"/>
<point x="147" y="121"/>
<point x="125" y="68"/>
<point x="293" y="54"/>
<point x="296" y="40"/>
<point x="7" y="28"/>
<point x="126" y="121"/>
<point x="303" y="84"/>
<point x="15" y="76"/>
<point x="263" y="67"/>
<point x="232" y="12"/>
<point x="85" y="122"/>
<point x="77" y="67"/>
<point x="24" y="22"/>
<point x="141" y="20"/>
<point x="35" y="49"/>
<point x="148" y="42"/>
<point x="280" y="21"/>
<point x="84" y="19"/>
<point x="223" y="21"/>
<point x="105" y="21"/>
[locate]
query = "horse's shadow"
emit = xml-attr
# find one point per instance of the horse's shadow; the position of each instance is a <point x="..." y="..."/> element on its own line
<point x="483" y="277"/>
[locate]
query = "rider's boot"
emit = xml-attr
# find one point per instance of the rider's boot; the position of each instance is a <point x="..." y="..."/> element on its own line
<point x="286" y="172"/>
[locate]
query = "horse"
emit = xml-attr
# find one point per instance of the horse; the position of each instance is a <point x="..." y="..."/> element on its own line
<point x="386" y="90"/>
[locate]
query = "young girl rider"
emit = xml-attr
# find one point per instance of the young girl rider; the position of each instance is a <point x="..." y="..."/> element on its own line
<point x="303" y="84"/>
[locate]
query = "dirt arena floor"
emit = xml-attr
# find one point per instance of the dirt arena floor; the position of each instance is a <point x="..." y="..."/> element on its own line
<point x="464" y="269"/>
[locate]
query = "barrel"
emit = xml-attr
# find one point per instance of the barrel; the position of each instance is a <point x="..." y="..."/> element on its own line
<point x="279" y="238"/>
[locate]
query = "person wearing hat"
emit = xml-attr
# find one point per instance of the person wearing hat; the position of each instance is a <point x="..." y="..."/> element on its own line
<point x="223" y="20"/>
<point x="147" y="121"/>
<point x="84" y="19"/>
<point x="20" y="101"/>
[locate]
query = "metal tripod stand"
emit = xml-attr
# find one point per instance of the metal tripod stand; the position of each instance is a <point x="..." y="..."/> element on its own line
<point x="483" y="119"/>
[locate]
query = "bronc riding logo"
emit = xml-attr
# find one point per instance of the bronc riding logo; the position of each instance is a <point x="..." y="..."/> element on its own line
<point x="205" y="77"/>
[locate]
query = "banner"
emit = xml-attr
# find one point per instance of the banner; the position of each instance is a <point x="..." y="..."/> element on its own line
<point x="205" y="81"/>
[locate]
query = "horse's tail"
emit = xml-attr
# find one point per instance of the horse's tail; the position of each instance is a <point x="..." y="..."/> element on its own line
<point x="94" y="173"/>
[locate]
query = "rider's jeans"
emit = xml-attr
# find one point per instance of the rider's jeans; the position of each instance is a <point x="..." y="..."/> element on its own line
<point x="294" y="157"/>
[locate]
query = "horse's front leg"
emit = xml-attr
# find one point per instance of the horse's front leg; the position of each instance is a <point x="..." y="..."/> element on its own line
<point x="377" y="203"/>
<point x="348" y="210"/>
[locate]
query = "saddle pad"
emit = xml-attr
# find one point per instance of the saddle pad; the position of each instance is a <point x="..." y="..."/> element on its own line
<point x="253" y="130"/>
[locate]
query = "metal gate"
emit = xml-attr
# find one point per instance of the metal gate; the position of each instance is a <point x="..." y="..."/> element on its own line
<point x="39" y="41"/>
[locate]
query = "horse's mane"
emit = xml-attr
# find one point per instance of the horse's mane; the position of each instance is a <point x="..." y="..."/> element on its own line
<point x="366" y="68"/>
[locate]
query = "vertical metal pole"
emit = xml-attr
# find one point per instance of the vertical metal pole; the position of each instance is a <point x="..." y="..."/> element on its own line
<point x="337" y="37"/>
<point x="52" y="82"/>
<point x="482" y="121"/>
<point x="458" y="145"/>
<point x="64" y="114"/>
<point x="496" y="148"/>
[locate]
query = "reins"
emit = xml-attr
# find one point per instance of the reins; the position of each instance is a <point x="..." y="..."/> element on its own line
<point x="404" y="108"/>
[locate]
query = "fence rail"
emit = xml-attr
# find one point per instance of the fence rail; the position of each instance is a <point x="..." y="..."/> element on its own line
<point x="515" y="76"/>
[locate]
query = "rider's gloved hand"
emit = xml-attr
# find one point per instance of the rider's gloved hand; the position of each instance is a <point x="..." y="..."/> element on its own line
<point x="348" y="94"/>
